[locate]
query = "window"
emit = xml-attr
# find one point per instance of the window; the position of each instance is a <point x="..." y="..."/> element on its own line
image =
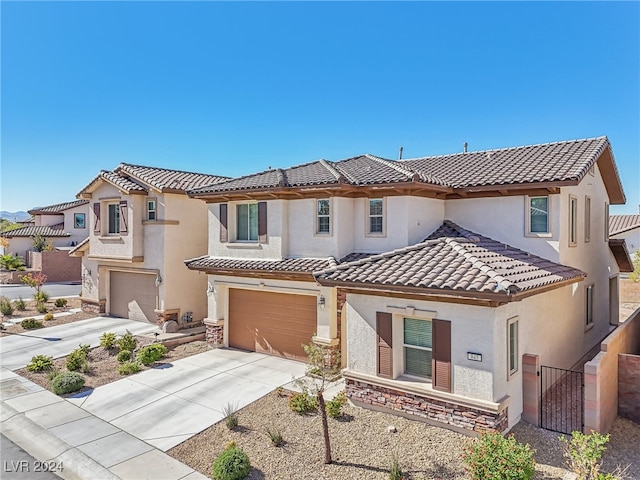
<point x="606" y="222"/>
<point x="151" y="209"/>
<point x="114" y="218"/>
<point x="376" y="223"/>
<point x="587" y="219"/>
<point x="512" y="346"/>
<point x="247" y="222"/>
<point x="78" y="220"/>
<point x="573" y="221"/>
<point x="589" y="305"/>
<point x="538" y="215"/>
<point x="323" y="215"/>
<point x="418" y="347"/>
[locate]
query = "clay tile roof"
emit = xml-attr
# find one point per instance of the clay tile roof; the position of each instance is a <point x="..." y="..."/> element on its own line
<point x="452" y="259"/>
<point x="122" y="182"/>
<point x="548" y="162"/>
<point x="288" y="265"/>
<point x="623" y="223"/>
<point x="167" y="179"/>
<point x="58" y="208"/>
<point x="31" y="230"/>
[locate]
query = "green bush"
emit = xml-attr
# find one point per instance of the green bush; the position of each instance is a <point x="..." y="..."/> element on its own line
<point x="10" y="261"/>
<point x="53" y="373"/>
<point x="48" y="317"/>
<point x="41" y="296"/>
<point x="230" y="412"/>
<point x="67" y="382"/>
<point x="127" y="368"/>
<point x="127" y="342"/>
<point x="20" y="304"/>
<point x="334" y="406"/>
<point x="151" y="353"/>
<point x="41" y="307"/>
<point x="583" y="454"/>
<point x="494" y="457"/>
<point x="108" y="340"/>
<point x="231" y="464"/>
<point x="31" y="324"/>
<point x="61" y="302"/>
<point x="77" y="360"/>
<point x="6" y="308"/>
<point x="275" y="436"/>
<point x="123" y="356"/>
<point x="40" y="363"/>
<point x="303" y="403"/>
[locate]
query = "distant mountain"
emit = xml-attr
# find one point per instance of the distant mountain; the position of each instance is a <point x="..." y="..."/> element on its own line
<point x="14" y="216"/>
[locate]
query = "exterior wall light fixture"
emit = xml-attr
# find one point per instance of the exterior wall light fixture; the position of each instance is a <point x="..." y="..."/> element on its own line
<point x="158" y="279"/>
<point x="321" y="302"/>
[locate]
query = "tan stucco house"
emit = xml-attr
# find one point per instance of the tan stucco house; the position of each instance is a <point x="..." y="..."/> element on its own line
<point x="141" y="226"/>
<point x="432" y="276"/>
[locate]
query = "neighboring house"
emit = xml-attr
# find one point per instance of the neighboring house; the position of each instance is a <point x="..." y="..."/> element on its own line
<point x="63" y="224"/>
<point x="142" y="225"/>
<point x="627" y="228"/>
<point x="431" y="276"/>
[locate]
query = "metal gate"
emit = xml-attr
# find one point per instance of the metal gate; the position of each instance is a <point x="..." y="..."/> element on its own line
<point x="561" y="400"/>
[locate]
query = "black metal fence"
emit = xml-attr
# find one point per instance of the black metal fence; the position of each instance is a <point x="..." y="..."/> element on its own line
<point x="561" y="399"/>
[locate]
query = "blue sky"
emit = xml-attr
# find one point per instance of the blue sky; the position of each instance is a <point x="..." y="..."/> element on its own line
<point x="233" y="88"/>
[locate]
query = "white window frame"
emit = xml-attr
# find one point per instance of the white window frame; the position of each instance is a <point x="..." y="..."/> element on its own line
<point x="153" y="211"/>
<point x="116" y="206"/>
<point x="319" y="216"/>
<point x="416" y="347"/>
<point x="573" y="220"/>
<point x="368" y="217"/>
<point x="587" y="219"/>
<point x="528" y="231"/>
<point x="588" y="305"/>
<point x="513" y="350"/>
<point x="237" y="222"/>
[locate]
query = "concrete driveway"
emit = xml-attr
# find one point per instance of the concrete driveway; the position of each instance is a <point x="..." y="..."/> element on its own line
<point x="61" y="340"/>
<point x="167" y="405"/>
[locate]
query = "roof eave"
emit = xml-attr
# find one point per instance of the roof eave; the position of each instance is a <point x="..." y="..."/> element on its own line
<point x="245" y="272"/>
<point x="610" y="176"/>
<point x="618" y="247"/>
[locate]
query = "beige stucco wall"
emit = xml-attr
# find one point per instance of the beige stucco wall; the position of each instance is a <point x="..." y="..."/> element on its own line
<point x="46" y="220"/>
<point x="77" y="234"/>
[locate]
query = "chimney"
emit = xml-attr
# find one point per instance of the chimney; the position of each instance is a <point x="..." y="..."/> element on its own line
<point x="464" y="145"/>
<point x="400" y="154"/>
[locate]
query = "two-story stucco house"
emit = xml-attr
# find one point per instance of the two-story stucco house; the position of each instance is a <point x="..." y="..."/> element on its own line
<point x="63" y="225"/>
<point x="432" y="276"/>
<point x="627" y="228"/>
<point x="142" y="225"/>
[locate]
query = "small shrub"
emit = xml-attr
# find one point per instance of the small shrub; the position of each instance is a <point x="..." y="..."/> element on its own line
<point x="275" y="436"/>
<point x="53" y="373"/>
<point x="583" y="453"/>
<point x="151" y="353"/>
<point x="77" y="360"/>
<point x="303" y="403"/>
<point x="61" y="302"/>
<point x="127" y="342"/>
<point x="67" y="382"/>
<point x="40" y="363"/>
<point x="395" y="471"/>
<point x="230" y="415"/>
<point x="108" y="340"/>
<point x="6" y="308"/>
<point x="41" y="296"/>
<point x="334" y="406"/>
<point x="41" y="307"/>
<point x="48" y="317"/>
<point x="123" y="356"/>
<point x="20" y="304"/>
<point x="127" y="368"/>
<point x="232" y="464"/>
<point x="31" y="324"/>
<point x="494" y="457"/>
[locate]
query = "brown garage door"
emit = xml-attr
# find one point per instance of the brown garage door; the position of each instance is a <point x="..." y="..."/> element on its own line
<point x="133" y="295"/>
<point x="273" y="323"/>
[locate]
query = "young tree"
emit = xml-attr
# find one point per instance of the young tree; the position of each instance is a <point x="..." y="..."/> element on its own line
<point x="323" y="366"/>
<point x="34" y="280"/>
<point x="635" y="275"/>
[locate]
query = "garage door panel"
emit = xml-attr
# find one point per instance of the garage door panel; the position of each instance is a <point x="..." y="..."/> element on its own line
<point x="133" y="296"/>
<point x="273" y="323"/>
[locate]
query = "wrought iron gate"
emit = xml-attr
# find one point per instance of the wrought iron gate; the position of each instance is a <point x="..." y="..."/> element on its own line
<point x="561" y="399"/>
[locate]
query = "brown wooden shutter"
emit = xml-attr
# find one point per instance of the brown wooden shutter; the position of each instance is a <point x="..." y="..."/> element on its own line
<point x="441" y="358"/>
<point x="385" y="344"/>
<point x="96" y="211"/>
<point x="224" y="222"/>
<point x="124" y="209"/>
<point x="262" y="222"/>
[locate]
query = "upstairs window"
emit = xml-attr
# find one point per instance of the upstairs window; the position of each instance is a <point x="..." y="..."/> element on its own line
<point x="151" y="209"/>
<point x="589" y="305"/>
<point x="587" y="219"/>
<point x="323" y="217"/>
<point x="247" y="222"/>
<point x="573" y="221"/>
<point x="538" y="215"/>
<point x="114" y="218"/>
<point x="376" y="216"/>
<point x="78" y="220"/>
<point x="606" y="222"/>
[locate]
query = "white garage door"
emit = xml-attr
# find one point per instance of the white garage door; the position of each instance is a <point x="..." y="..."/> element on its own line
<point x="133" y="296"/>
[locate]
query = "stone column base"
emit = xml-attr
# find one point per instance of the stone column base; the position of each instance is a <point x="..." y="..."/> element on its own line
<point x="214" y="334"/>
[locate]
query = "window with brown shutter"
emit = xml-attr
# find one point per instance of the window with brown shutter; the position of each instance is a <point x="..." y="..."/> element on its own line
<point x="384" y="330"/>
<point x="441" y="362"/>
<point x="96" y="212"/>
<point x="262" y="222"/>
<point x="224" y="221"/>
<point x="124" y="217"/>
